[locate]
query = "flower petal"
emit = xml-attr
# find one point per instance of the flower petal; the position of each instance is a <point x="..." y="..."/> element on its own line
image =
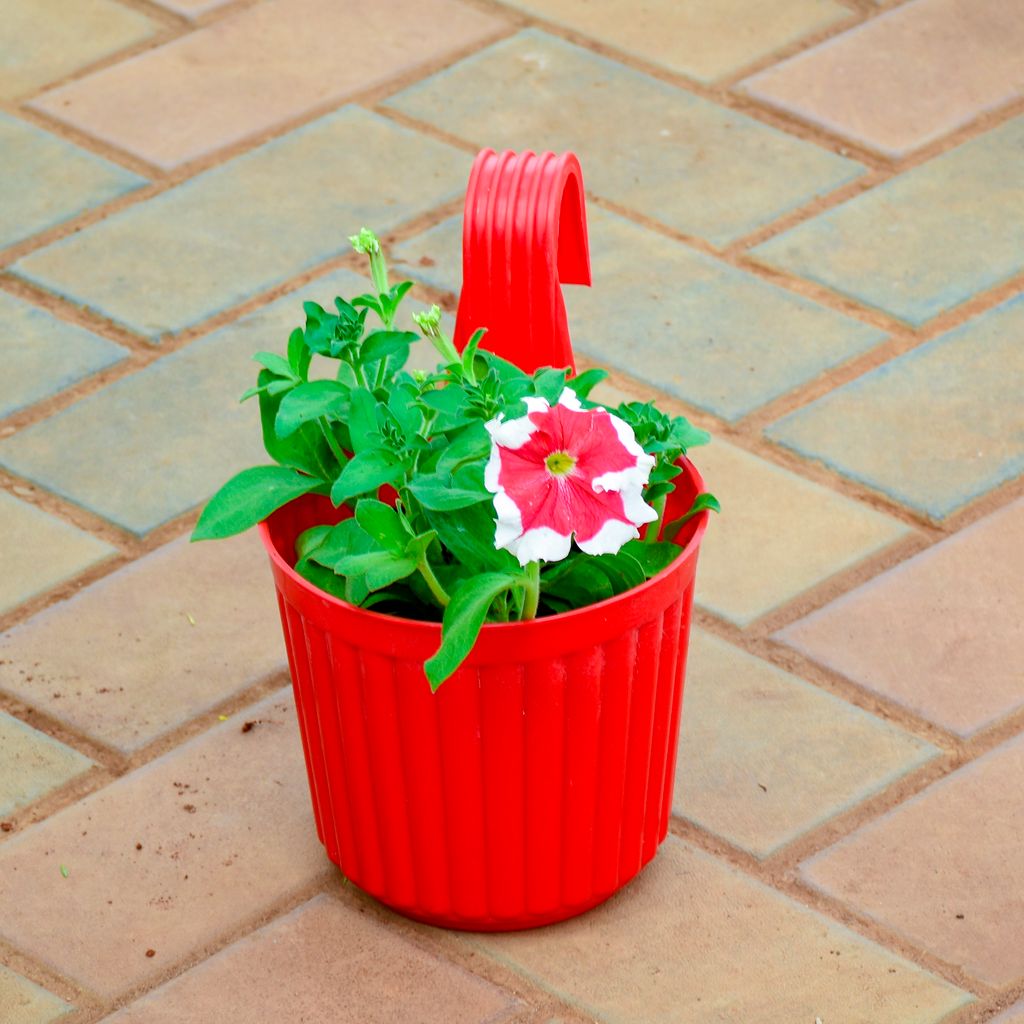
<point x="540" y="543"/>
<point x="607" y="541"/>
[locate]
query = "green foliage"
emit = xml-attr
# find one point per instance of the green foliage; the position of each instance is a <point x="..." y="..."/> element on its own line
<point x="405" y="453"/>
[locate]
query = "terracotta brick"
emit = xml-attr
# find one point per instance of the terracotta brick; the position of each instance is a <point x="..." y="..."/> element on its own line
<point x="192" y="8"/>
<point x="778" y="534"/>
<point x="43" y="355"/>
<point x="1013" y="1015"/>
<point x="48" y="180"/>
<point x="323" y="955"/>
<point x="953" y="402"/>
<point x="225" y="829"/>
<point x="535" y="91"/>
<point x="38" y="551"/>
<point x="764" y="757"/>
<point x="32" y="763"/>
<point x="256" y="69"/>
<point x="189" y="433"/>
<point x="692" y="939"/>
<point x="701" y="38"/>
<point x="153" y="645"/>
<point x="201" y="247"/>
<point x="944" y="869"/>
<point x="46" y="39"/>
<point x="942" y="633"/>
<point x="22" y="1002"/>
<point x="906" y="77"/>
<point x="889" y="247"/>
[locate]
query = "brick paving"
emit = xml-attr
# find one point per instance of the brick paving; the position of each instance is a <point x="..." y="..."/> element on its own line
<point x="807" y="230"/>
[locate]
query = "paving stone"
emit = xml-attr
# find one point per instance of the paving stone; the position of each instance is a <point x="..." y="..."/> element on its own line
<point x="192" y="8"/>
<point x="38" y="551"/>
<point x="44" y="40"/>
<point x="1013" y="1015"/>
<point x="692" y="939"/>
<point x="323" y="954"/>
<point x="31" y="763"/>
<point x="778" y="534"/>
<point x="934" y="428"/>
<point x="237" y="230"/>
<point x="257" y="69"/>
<point x="43" y="355"/>
<point x="944" y="868"/>
<point x="680" y="159"/>
<point x="188" y="434"/>
<point x="47" y="180"/>
<point x="122" y="661"/>
<point x="24" y="1002"/>
<point x="764" y="757"/>
<point x="704" y="39"/>
<point x="888" y="83"/>
<point x="923" y="242"/>
<point x="942" y="633"/>
<point x="435" y="255"/>
<point x="710" y="334"/>
<point x="226" y="831"/>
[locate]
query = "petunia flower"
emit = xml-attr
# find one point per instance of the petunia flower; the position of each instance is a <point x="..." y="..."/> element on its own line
<point x="563" y="471"/>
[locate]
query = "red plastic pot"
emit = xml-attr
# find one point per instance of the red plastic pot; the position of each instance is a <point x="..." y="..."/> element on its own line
<point x="537" y="780"/>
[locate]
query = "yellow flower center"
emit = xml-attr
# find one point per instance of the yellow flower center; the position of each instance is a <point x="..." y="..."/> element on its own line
<point x="560" y="463"/>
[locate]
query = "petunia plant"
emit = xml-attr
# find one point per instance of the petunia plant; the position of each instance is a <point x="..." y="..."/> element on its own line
<point x="476" y="493"/>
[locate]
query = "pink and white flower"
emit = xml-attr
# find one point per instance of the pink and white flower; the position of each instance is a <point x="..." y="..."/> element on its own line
<point x="562" y="471"/>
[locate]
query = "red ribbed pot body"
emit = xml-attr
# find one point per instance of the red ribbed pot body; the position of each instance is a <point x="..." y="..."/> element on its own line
<point x="535" y="783"/>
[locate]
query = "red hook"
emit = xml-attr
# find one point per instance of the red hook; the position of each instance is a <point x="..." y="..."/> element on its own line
<point x="524" y="234"/>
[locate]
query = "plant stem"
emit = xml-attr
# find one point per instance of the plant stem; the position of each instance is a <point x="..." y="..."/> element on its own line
<point x="652" y="528"/>
<point x="532" y="590"/>
<point x="332" y="441"/>
<point x="433" y="583"/>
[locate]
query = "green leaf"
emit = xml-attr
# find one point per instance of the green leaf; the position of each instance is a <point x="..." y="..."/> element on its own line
<point x="469" y="352"/>
<point x="404" y="411"/>
<point x="586" y="381"/>
<point x="462" y="621"/>
<point x="326" y="579"/>
<point x="472" y="444"/>
<point x="703" y="502"/>
<point x="380" y="568"/>
<point x="417" y="546"/>
<point x="365" y="472"/>
<point x="276" y="386"/>
<point x="468" y="533"/>
<point x="248" y="498"/>
<point x="306" y="449"/>
<point x="684" y="434"/>
<point x="314" y="310"/>
<point x="363" y="426"/>
<point x="451" y="404"/>
<point x="549" y="384"/>
<point x="383" y="524"/>
<point x="344" y="538"/>
<point x="299" y="353"/>
<point x="441" y="493"/>
<point x="624" y="572"/>
<point x="306" y="403"/>
<point x="397" y="292"/>
<point x="309" y="540"/>
<point x="382" y="344"/>
<point x="579" y="583"/>
<point x="275" y="364"/>
<point x="652" y="557"/>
